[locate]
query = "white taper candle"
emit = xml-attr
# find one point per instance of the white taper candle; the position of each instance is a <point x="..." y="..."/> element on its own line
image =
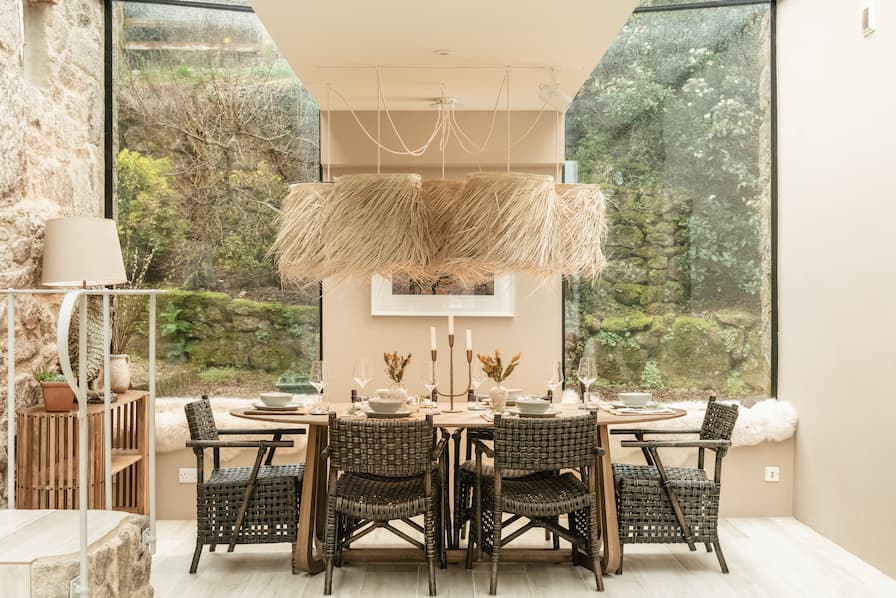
<point x="469" y="340"/>
<point x="432" y="338"/>
<point x="450" y="324"/>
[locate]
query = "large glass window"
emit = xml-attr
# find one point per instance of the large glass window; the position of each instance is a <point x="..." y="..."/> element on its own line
<point x="675" y="125"/>
<point x="211" y="127"/>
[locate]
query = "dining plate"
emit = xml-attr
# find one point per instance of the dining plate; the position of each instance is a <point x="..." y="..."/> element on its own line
<point x="288" y="407"/>
<point x="551" y="412"/>
<point x="393" y="415"/>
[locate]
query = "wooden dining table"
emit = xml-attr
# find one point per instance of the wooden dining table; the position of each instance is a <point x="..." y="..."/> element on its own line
<point x="312" y="512"/>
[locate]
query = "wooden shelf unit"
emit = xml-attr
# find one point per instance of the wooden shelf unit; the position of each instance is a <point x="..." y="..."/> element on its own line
<point x="47" y="456"/>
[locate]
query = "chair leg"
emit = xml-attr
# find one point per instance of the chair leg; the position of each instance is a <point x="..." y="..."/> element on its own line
<point x="594" y="547"/>
<point x="708" y="546"/>
<point x="212" y="546"/>
<point x="431" y="537"/>
<point x="621" y="559"/>
<point x="332" y="545"/>
<point x="555" y="537"/>
<point x="496" y="548"/>
<point x="196" y="555"/>
<point x="295" y="569"/>
<point x="720" y="556"/>
<point x="328" y="577"/>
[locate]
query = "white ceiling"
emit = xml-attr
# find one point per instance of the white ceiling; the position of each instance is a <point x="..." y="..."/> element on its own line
<point x="340" y="43"/>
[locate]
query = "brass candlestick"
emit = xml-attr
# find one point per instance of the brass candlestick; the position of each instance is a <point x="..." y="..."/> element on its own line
<point x="451" y="395"/>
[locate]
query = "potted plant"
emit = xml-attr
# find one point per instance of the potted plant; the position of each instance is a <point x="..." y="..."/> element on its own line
<point x="493" y="368"/>
<point x="396" y="364"/>
<point x="58" y="395"/>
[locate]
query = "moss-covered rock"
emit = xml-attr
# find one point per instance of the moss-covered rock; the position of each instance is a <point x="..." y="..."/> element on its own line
<point x="629" y="323"/>
<point x="630" y="294"/>
<point x="659" y="262"/>
<point x="737" y="317"/>
<point x="630" y="269"/>
<point x="693" y="355"/>
<point x="621" y="235"/>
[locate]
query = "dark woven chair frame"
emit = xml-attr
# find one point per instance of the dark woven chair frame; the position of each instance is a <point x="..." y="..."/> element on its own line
<point x="242" y="505"/>
<point x="666" y="505"/>
<point x="382" y="471"/>
<point x="539" y="445"/>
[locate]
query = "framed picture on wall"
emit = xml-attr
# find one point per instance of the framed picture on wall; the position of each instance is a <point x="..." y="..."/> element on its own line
<point x="398" y="296"/>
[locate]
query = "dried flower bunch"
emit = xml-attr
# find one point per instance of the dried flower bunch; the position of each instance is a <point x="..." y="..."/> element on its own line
<point x="491" y="365"/>
<point x="395" y="365"/>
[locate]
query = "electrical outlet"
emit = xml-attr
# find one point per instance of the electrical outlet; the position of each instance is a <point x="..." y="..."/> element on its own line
<point x="772" y="474"/>
<point x="187" y="475"/>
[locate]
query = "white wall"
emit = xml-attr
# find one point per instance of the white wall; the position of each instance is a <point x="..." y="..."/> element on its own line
<point x="837" y="248"/>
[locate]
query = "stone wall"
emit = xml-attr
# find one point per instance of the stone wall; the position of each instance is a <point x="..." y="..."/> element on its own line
<point x="51" y="161"/>
<point x="119" y="566"/>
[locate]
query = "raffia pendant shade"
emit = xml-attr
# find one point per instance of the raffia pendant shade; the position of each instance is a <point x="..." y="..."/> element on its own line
<point x="583" y="229"/>
<point x="376" y="223"/>
<point x="299" y="243"/>
<point x="503" y="222"/>
<point x="442" y="202"/>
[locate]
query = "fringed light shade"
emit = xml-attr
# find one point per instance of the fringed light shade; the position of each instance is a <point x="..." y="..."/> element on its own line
<point x="441" y="200"/>
<point x="299" y="243"/>
<point x="583" y="229"/>
<point x="503" y="222"/>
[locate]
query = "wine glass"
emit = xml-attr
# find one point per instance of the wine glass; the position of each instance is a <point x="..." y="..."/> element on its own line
<point x="554" y="377"/>
<point x="477" y="377"/>
<point x="361" y="374"/>
<point x="319" y="376"/>
<point x="587" y="373"/>
<point x="430" y="381"/>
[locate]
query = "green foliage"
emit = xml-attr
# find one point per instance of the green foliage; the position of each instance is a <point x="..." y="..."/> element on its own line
<point x="177" y="330"/>
<point x="613" y="339"/>
<point x="729" y="337"/>
<point x="650" y="375"/>
<point x="50" y="376"/>
<point x="264" y="336"/>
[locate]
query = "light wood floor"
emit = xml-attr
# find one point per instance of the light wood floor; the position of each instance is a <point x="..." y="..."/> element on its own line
<point x="773" y="558"/>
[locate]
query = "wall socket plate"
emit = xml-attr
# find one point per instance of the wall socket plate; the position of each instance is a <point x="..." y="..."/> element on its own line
<point x="772" y="473"/>
<point x="187" y="475"/>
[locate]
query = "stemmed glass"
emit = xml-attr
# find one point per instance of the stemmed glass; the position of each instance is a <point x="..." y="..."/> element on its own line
<point x="318" y="378"/>
<point x="430" y="381"/>
<point x="554" y="378"/>
<point x="587" y="373"/>
<point x="477" y="377"/>
<point x="361" y="375"/>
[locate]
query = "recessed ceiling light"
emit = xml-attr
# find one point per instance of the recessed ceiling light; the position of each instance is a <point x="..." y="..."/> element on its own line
<point x="442" y="52"/>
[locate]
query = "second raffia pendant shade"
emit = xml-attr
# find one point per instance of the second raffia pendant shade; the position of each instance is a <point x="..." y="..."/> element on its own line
<point x="396" y="224"/>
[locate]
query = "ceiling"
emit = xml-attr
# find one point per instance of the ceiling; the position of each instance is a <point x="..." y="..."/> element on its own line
<point x="341" y="42"/>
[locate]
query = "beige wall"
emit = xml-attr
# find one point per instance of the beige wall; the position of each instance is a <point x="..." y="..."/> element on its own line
<point x="837" y="148"/>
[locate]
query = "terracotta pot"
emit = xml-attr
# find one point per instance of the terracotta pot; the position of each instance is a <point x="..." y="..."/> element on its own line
<point x="120" y="372"/>
<point x="58" y="396"/>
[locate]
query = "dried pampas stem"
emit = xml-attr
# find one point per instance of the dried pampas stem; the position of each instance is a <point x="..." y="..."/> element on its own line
<point x="583" y="229"/>
<point x="503" y="222"/>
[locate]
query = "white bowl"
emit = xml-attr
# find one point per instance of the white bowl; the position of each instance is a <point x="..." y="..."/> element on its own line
<point x="635" y="399"/>
<point x="382" y="405"/>
<point x="275" y="399"/>
<point x="532" y="405"/>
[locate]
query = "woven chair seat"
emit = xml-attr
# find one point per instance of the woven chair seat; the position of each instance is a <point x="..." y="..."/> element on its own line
<point x="488" y="471"/>
<point x="541" y="497"/>
<point x="225" y="476"/>
<point x="630" y="472"/>
<point x="380" y="499"/>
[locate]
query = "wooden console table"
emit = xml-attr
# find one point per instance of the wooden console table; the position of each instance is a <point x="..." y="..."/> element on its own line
<point x="47" y="456"/>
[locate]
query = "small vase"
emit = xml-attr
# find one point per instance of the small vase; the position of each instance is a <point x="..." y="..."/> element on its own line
<point x="498" y="396"/>
<point x="120" y="372"/>
<point x="397" y="391"/>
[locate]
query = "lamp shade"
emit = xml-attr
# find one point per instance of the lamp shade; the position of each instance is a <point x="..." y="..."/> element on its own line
<point x="80" y="251"/>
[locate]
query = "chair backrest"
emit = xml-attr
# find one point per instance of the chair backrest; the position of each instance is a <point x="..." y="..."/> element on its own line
<point x="389" y="448"/>
<point x="718" y="423"/>
<point x="545" y="444"/>
<point x="201" y="420"/>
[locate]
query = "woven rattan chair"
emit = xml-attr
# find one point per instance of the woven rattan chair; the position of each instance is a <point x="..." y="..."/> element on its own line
<point x="382" y="471"/>
<point x="539" y="445"/>
<point x="665" y="505"/>
<point x="242" y="505"/>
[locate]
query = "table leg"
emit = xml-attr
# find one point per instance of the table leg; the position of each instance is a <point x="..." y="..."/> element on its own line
<point x="314" y="505"/>
<point x="609" y="523"/>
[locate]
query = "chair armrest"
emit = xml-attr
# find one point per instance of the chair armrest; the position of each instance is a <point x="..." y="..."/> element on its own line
<point x="710" y="444"/>
<point x="325" y="454"/>
<point x="481" y="446"/>
<point x="599" y="451"/>
<point x="251" y="431"/>
<point x="239" y="443"/>
<point x="635" y="431"/>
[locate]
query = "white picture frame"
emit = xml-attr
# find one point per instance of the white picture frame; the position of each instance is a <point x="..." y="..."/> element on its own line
<point x="500" y="305"/>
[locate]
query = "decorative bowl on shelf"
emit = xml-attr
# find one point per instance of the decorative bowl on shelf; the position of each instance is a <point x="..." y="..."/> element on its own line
<point x="275" y="399"/>
<point x="635" y="399"/>
<point x="532" y="405"/>
<point x="385" y="405"/>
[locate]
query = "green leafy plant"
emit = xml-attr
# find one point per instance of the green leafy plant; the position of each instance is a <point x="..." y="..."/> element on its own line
<point x="176" y="330"/>
<point x="650" y="375"/>
<point x="50" y="376"/>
